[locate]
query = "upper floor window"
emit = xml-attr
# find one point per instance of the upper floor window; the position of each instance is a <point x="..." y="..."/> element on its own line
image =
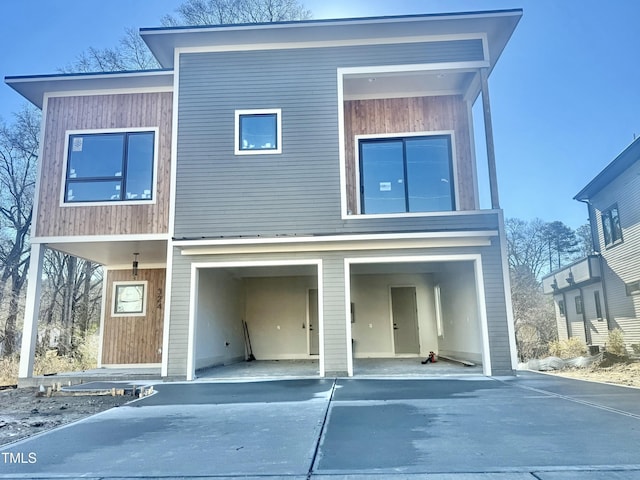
<point x="110" y="167"/>
<point x="406" y="174"/>
<point x="611" y="226"/>
<point x="258" y="132"/>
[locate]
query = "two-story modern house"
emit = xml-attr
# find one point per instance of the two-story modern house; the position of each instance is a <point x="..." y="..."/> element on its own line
<point x="601" y="292"/>
<point x="316" y="180"/>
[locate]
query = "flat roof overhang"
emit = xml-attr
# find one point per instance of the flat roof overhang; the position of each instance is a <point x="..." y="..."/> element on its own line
<point x="497" y="25"/>
<point x="34" y="87"/>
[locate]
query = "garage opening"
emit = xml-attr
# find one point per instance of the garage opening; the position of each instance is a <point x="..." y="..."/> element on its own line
<point x="267" y="312"/>
<point x="401" y="311"/>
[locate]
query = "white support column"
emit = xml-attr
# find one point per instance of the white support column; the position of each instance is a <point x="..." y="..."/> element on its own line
<point x="31" y="311"/>
<point x="488" y="132"/>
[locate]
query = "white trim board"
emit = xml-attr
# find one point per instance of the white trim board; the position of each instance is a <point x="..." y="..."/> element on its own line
<point x="336" y="238"/>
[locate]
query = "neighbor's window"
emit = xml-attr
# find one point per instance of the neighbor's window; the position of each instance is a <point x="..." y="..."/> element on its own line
<point x="411" y="174"/>
<point x="129" y="298"/>
<point x="109" y="167"/>
<point x="596" y="298"/>
<point x="258" y="132"/>
<point x="632" y="288"/>
<point x="611" y="226"/>
<point x="579" y="308"/>
<point x="561" y="308"/>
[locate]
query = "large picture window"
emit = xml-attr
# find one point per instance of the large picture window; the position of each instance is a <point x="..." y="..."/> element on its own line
<point x="409" y="174"/>
<point x="611" y="226"/>
<point x="110" y="167"/>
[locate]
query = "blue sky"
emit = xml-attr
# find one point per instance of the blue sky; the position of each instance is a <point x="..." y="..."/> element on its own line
<point x="565" y="95"/>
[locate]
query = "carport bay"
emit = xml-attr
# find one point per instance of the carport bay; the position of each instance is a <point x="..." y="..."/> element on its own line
<point x="361" y="308"/>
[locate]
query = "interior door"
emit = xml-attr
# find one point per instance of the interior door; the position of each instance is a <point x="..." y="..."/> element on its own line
<point x="404" y="311"/>
<point x="314" y="329"/>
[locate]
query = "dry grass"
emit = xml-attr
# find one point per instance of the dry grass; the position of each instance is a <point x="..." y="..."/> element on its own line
<point x="618" y="373"/>
<point x="51" y="362"/>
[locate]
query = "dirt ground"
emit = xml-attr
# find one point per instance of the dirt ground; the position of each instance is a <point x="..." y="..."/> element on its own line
<point x="24" y="413"/>
<point x="619" y="373"/>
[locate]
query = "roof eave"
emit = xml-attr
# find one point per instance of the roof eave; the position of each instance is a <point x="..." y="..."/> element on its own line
<point x="163" y="41"/>
<point x="618" y="165"/>
<point x="34" y="87"/>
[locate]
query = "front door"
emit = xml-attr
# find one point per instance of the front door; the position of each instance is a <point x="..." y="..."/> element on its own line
<point x="314" y="337"/>
<point x="404" y="311"/>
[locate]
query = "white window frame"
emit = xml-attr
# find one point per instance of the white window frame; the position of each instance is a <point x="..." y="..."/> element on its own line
<point x="261" y="111"/>
<point x="99" y="131"/>
<point x="114" y="298"/>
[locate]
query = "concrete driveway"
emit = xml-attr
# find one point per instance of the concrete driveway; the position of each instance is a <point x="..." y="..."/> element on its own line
<point x="529" y="427"/>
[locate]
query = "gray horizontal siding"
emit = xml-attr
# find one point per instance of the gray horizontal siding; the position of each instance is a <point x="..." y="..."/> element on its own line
<point x="622" y="261"/>
<point x="298" y="191"/>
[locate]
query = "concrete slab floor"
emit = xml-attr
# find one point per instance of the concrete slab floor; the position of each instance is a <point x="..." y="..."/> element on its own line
<point x="362" y="367"/>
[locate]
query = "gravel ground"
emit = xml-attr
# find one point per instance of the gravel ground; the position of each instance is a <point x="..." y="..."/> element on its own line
<point x="23" y="412"/>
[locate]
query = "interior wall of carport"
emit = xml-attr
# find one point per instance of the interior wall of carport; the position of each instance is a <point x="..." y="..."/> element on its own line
<point x="276" y="315"/>
<point x="461" y="335"/>
<point x="219" y="337"/>
<point x="371" y="329"/>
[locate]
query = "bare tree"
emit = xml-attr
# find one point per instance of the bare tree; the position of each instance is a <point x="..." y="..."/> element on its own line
<point x="219" y="12"/>
<point x="18" y="156"/>
<point x="526" y="245"/>
<point x="585" y="242"/>
<point x="131" y="53"/>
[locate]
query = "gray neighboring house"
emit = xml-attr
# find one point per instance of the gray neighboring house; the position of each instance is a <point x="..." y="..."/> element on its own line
<point x="601" y="292"/>
<point x="316" y="180"/>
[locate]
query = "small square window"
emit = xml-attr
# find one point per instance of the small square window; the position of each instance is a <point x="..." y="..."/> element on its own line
<point x="258" y="132"/>
<point x="129" y="299"/>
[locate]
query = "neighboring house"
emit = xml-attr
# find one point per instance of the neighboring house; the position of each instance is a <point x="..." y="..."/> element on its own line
<point x="601" y="292"/>
<point x="314" y="179"/>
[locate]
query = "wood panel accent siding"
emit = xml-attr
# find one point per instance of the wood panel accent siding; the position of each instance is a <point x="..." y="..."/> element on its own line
<point x="131" y="340"/>
<point x="93" y="113"/>
<point x="410" y="115"/>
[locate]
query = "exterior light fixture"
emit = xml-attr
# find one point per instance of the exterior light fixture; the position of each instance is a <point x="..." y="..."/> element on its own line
<point x="570" y="279"/>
